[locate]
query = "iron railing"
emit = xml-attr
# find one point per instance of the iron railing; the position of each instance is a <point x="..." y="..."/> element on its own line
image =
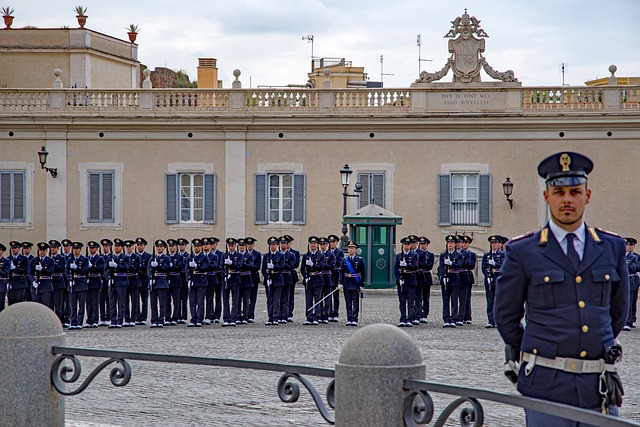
<point x="418" y="404"/>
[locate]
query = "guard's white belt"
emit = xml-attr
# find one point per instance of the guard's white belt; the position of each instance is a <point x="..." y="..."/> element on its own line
<point x="567" y="364"/>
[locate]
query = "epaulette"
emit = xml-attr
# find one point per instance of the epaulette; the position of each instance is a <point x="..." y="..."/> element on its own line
<point x="521" y="237"/>
<point x="610" y="233"/>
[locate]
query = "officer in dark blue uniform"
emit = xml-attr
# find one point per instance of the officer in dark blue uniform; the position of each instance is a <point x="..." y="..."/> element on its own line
<point x="491" y="264"/>
<point x="26" y="251"/>
<point x="448" y="272"/>
<point x="78" y="267"/>
<point x="42" y="268"/>
<point x="351" y="282"/>
<point x="294" y="277"/>
<point x="468" y="266"/>
<point x="255" y="278"/>
<point x="118" y="280"/>
<point x="158" y="271"/>
<point x="246" y="282"/>
<point x="5" y="271"/>
<point x="327" y="274"/>
<point x="176" y="268"/>
<point x="104" y="308"/>
<point x="57" y="278"/>
<point x="338" y="254"/>
<point x="311" y="268"/>
<point x="133" y="290"/>
<point x="405" y="269"/>
<point x="272" y="267"/>
<point x="231" y="294"/>
<point x="425" y="265"/>
<point x="184" y="278"/>
<point x="633" y="265"/>
<point x="218" y="268"/>
<point x="212" y="280"/>
<point x="197" y="282"/>
<point x="142" y="306"/>
<point x="94" y="281"/>
<point x="288" y="274"/>
<point x="19" y="277"/>
<point x="572" y="282"/>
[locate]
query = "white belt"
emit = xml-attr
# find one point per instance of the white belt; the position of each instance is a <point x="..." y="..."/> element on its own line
<point x="567" y="364"/>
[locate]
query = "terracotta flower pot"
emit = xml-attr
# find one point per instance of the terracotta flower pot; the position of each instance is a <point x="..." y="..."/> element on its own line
<point x="8" y="20"/>
<point x="82" y="19"/>
<point x="132" y="36"/>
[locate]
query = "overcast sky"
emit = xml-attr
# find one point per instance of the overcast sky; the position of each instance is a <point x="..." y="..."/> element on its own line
<point x="263" y="38"/>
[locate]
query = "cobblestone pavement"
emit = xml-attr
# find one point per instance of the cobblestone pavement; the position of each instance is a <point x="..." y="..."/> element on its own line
<point x="162" y="394"/>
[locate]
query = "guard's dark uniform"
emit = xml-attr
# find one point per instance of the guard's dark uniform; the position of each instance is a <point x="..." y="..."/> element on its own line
<point x="158" y="271"/>
<point x="78" y="267"/>
<point x="19" y="276"/>
<point x="94" y="282"/>
<point x="466" y="276"/>
<point x="575" y="306"/>
<point x="405" y="269"/>
<point x="231" y="294"/>
<point x="448" y="271"/>
<point x="351" y="278"/>
<point x="294" y="278"/>
<point x="633" y="265"/>
<point x="5" y="270"/>
<point x="334" y="310"/>
<point x="133" y="290"/>
<point x="197" y="276"/>
<point x="288" y="274"/>
<point x="246" y="282"/>
<point x="272" y="267"/>
<point x="311" y="268"/>
<point x="425" y="265"/>
<point x="255" y="279"/>
<point x="491" y="264"/>
<point x="176" y="268"/>
<point x="105" y="310"/>
<point x="118" y="266"/>
<point x="142" y="306"/>
<point x="41" y="272"/>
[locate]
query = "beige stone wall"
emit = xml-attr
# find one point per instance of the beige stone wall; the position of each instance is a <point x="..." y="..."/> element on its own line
<point x="32" y="71"/>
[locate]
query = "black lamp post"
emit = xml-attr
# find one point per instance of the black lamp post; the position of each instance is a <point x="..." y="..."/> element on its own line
<point x="507" y="188"/>
<point x="42" y="155"/>
<point x="345" y="176"/>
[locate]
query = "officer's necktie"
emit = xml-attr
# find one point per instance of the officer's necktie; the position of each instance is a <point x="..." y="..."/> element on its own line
<point x="572" y="254"/>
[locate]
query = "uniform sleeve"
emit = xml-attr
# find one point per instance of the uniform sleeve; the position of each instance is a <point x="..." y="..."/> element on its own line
<point x="511" y="292"/>
<point x="620" y="293"/>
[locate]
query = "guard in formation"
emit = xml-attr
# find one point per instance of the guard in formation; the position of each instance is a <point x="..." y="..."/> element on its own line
<point x="572" y="282"/>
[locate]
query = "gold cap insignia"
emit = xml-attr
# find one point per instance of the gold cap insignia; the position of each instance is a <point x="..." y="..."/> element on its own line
<point x="565" y="161"/>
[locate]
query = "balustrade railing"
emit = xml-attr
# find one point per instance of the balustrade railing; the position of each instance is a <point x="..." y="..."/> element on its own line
<point x="286" y="101"/>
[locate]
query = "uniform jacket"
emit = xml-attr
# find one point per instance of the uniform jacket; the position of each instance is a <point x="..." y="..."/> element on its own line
<point x="233" y="269"/>
<point x="246" y="268"/>
<point x="159" y="275"/>
<point x="274" y="274"/>
<point x="634" y="267"/>
<point x="255" y="269"/>
<point x="59" y="271"/>
<point x="289" y="267"/>
<point x="198" y="274"/>
<point x="469" y="264"/>
<point x="448" y="274"/>
<point x="43" y="277"/>
<point x="78" y="276"/>
<point x="296" y="265"/>
<point x="19" y="275"/>
<point x="330" y="264"/>
<point x="176" y="268"/>
<point x="95" y="271"/>
<point x="408" y="273"/>
<point x="570" y="313"/>
<point x="134" y="270"/>
<point x="118" y="274"/>
<point x="491" y="272"/>
<point x="143" y="271"/>
<point x="5" y="271"/>
<point x="313" y="273"/>
<point x="352" y="283"/>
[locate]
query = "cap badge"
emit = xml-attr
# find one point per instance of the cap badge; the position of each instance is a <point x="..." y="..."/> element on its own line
<point x="565" y="161"/>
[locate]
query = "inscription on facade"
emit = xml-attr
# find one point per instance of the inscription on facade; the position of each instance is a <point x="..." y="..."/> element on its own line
<point x="465" y="101"/>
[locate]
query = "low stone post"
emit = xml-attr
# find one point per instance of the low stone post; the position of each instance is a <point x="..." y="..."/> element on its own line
<point x="369" y="374"/>
<point x="28" y="330"/>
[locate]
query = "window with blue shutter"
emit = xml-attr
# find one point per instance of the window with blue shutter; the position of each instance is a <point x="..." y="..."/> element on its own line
<point x="464" y="199"/>
<point x="280" y="198"/>
<point x="373" y="189"/>
<point x="101" y="197"/>
<point x="190" y="198"/>
<point x="12" y="196"/>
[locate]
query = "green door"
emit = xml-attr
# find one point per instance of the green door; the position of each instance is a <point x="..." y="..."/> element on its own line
<point x="374" y="247"/>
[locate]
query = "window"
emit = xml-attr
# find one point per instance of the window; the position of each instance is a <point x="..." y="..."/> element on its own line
<point x="280" y="198"/>
<point x="191" y="198"/>
<point x="464" y="199"/>
<point x="373" y="189"/>
<point x="12" y="196"/>
<point x="101" y="196"/>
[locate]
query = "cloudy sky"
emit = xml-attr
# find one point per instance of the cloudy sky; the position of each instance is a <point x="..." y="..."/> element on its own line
<point x="264" y="38"/>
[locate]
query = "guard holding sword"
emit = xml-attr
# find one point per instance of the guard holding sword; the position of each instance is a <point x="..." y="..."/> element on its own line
<point x="272" y="266"/>
<point x="78" y="267"/>
<point x="450" y="264"/>
<point x="312" y="265"/>
<point x="405" y="269"/>
<point x="491" y="264"/>
<point x="351" y="282"/>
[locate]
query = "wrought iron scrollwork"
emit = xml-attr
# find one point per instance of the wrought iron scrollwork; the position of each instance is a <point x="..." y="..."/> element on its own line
<point x="418" y="408"/>
<point x="469" y="416"/>
<point x="62" y="373"/>
<point x="289" y="392"/>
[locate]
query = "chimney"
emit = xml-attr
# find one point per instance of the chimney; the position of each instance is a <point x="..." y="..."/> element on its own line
<point x="208" y="73"/>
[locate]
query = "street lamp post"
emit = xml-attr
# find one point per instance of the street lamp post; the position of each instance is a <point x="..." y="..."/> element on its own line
<point x="345" y="176"/>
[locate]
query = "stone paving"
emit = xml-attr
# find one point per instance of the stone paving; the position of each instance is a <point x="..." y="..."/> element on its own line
<point x="162" y="394"/>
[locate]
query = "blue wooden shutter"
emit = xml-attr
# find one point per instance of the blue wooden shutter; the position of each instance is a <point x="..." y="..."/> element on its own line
<point x="484" y="199"/>
<point x="172" y="198"/>
<point x="19" y="197"/>
<point x="364" y="199"/>
<point x="5" y="196"/>
<point x="444" y="199"/>
<point x="209" y="198"/>
<point x="377" y="189"/>
<point x="299" y="198"/>
<point x="94" y="197"/>
<point x="108" y="196"/>
<point x="260" y="198"/>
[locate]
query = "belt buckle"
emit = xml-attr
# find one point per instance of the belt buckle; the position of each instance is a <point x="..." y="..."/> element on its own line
<point x="573" y="365"/>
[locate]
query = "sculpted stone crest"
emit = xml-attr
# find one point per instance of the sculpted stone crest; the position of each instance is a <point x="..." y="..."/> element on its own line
<point x="466" y="47"/>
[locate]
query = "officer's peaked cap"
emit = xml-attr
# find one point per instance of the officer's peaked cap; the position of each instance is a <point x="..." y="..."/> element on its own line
<point x="565" y="169"/>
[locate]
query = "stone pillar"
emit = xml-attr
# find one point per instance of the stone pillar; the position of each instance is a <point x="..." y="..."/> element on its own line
<point x="369" y="374"/>
<point x="235" y="197"/>
<point x="28" y="330"/>
<point x="56" y="201"/>
<point x="327" y="98"/>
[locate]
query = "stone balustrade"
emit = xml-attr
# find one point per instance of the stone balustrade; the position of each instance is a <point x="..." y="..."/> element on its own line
<point x="417" y="100"/>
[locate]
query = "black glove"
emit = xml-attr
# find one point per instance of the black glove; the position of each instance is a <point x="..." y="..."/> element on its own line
<point x="512" y="363"/>
<point x="611" y="384"/>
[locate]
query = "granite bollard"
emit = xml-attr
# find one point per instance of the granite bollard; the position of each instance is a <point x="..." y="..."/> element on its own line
<point x="28" y="330"/>
<point x="369" y="374"/>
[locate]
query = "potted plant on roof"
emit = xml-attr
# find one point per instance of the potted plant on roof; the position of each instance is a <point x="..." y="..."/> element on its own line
<point x="81" y="15"/>
<point x="132" y="31"/>
<point x="7" y="15"/>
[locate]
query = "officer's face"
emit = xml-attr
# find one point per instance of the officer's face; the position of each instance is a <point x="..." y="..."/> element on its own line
<point x="424" y="246"/>
<point x="160" y="249"/>
<point x="242" y="248"/>
<point x="495" y="246"/>
<point x="26" y="251"/>
<point x="140" y="247"/>
<point x="173" y="249"/>
<point x="406" y="247"/>
<point x="54" y="250"/>
<point x="117" y="249"/>
<point x="182" y="247"/>
<point x="273" y="247"/>
<point x="567" y="204"/>
<point x="93" y="250"/>
<point x="106" y="249"/>
<point x="352" y="250"/>
<point x="42" y="253"/>
<point x="15" y="251"/>
<point x="451" y="246"/>
<point x="76" y="251"/>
